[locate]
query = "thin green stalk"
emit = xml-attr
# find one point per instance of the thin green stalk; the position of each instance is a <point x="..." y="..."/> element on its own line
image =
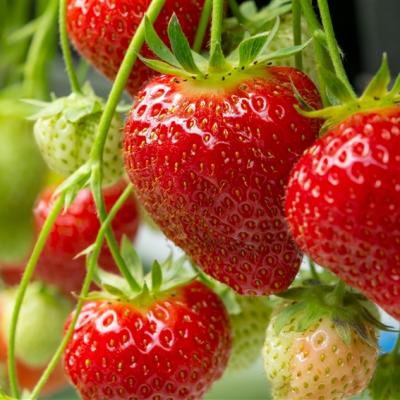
<point x="233" y="5"/>
<point x="296" y="9"/>
<point x="313" y="270"/>
<point x="333" y="47"/>
<point x="111" y="241"/>
<point x="38" y="54"/>
<point x="121" y="80"/>
<point x="29" y="270"/>
<point x="203" y="24"/>
<point x="92" y="263"/>
<point x="321" y="55"/>
<point x="69" y="65"/>
<point x="396" y="348"/>
<point x="217" y="59"/>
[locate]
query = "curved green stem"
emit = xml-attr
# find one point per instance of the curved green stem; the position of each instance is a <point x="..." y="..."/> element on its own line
<point x="92" y="263"/>
<point x="313" y="269"/>
<point x="203" y="24"/>
<point x="217" y="59"/>
<point x="233" y="5"/>
<point x="121" y="80"/>
<point x="111" y="241"/>
<point x="296" y="9"/>
<point x="396" y="348"/>
<point x="29" y="270"/>
<point x="321" y="55"/>
<point x="333" y="47"/>
<point x="69" y="65"/>
<point x="35" y="75"/>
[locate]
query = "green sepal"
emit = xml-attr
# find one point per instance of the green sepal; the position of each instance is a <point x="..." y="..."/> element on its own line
<point x="287" y="315"/>
<point x="283" y="53"/>
<point x="180" y="46"/>
<point x="250" y="48"/>
<point x="86" y="252"/>
<point x="377" y="88"/>
<point x="114" y="284"/>
<point x="132" y="260"/>
<point x="157" y="46"/>
<point x="156" y="276"/>
<point x="337" y="91"/>
<point x="164" y="68"/>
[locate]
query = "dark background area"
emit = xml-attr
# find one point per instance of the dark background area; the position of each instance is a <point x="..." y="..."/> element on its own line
<point x="365" y="29"/>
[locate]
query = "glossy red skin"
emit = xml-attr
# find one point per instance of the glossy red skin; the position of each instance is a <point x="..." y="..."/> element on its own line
<point x="211" y="170"/>
<point x="102" y="33"/>
<point x="343" y="204"/>
<point x="77" y="229"/>
<point x="173" y="349"/>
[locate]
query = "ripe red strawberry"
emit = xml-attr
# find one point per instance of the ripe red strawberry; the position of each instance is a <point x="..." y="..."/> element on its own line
<point x="343" y="201"/>
<point x="77" y="229"/>
<point x="172" y="345"/>
<point x="102" y="30"/>
<point x="210" y="161"/>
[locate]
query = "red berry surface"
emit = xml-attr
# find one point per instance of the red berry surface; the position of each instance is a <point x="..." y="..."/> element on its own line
<point x="102" y="30"/>
<point x="343" y="204"/>
<point x="210" y="161"/>
<point x="75" y="230"/>
<point x="171" y="347"/>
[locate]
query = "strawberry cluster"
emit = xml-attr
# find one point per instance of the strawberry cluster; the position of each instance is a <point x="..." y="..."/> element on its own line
<point x="247" y="153"/>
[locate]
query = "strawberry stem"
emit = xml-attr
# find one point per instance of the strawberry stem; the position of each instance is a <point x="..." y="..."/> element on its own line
<point x="233" y="5"/>
<point x="217" y="58"/>
<point x="26" y="277"/>
<point x="35" y="74"/>
<point x="121" y="80"/>
<point x="333" y="47"/>
<point x="296" y="10"/>
<point x="69" y="65"/>
<point x="111" y="241"/>
<point x="321" y="56"/>
<point x="91" y="267"/>
<point x="313" y="269"/>
<point x="203" y="24"/>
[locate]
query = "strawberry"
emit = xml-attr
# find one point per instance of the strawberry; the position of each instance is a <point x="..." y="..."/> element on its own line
<point x="75" y="230"/>
<point x="65" y="129"/>
<point x="210" y="157"/>
<point x="317" y="348"/>
<point x="248" y="332"/>
<point x="43" y="311"/>
<point x="343" y="195"/>
<point x="168" y="342"/>
<point x="22" y="172"/>
<point x="102" y="30"/>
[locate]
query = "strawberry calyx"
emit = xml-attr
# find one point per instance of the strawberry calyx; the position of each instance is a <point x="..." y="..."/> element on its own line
<point x="344" y="103"/>
<point x="158" y="283"/>
<point x="183" y="62"/>
<point x="348" y="311"/>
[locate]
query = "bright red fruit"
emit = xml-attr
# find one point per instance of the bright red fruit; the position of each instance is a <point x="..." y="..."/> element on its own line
<point x="102" y="30"/>
<point x="172" y="346"/>
<point x="75" y="230"/>
<point x="343" y="204"/>
<point x="210" y="160"/>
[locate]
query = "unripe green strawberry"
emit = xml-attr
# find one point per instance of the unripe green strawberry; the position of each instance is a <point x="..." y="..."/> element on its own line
<point x="22" y="172"/>
<point x="41" y="322"/>
<point x="320" y="345"/>
<point x="248" y="331"/>
<point x="65" y="130"/>
<point x="284" y="38"/>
